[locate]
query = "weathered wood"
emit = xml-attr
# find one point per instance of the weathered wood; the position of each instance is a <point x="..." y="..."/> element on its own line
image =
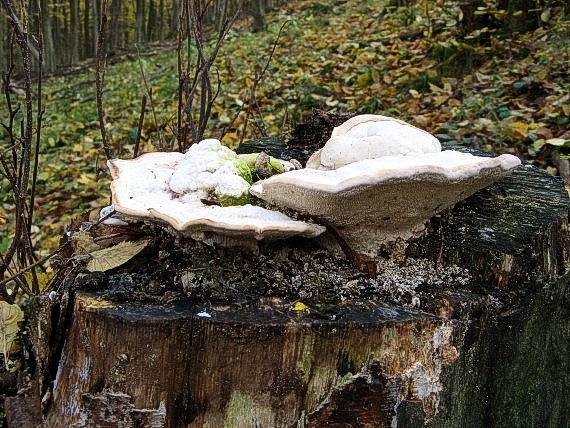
<point x="465" y="330"/>
<point x="511" y="233"/>
<point x="514" y="367"/>
<point x="261" y="366"/>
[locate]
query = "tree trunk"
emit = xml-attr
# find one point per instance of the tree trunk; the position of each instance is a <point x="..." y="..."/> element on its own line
<point x="49" y="54"/>
<point x="88" y="21"/>
<point x="258" y="11"/>
<point x="4" y="58"/>
<point x="479" y="339"/>
<point x="140" y="14"/>
<point x="116" y="38"/>
<point x="73" y="47"/>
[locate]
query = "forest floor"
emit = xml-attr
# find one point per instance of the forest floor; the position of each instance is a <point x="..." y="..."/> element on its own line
<point x="484" y="88"/>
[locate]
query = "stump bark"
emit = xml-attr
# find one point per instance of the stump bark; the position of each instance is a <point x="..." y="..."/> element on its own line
<point x="489" y="350"/>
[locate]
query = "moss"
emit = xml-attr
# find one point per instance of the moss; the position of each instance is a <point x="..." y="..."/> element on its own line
<point x="229" y="201"/>
<point x="249" y="159"/>
<point x="243" y="411"/>
<point x="244" y="169"/>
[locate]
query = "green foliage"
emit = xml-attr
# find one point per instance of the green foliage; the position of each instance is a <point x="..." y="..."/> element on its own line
<point x="411" y="62"/>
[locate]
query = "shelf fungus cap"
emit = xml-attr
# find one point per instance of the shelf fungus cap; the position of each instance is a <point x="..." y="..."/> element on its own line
<point x="374" y="202"/>
<point x="141" y="190"/>
<point x="370" y="136"/>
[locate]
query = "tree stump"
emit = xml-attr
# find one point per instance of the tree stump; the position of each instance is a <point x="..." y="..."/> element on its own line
<point x="471" y="328"/>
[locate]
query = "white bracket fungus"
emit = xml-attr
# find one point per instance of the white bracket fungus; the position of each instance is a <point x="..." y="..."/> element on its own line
<point x="377" y="199"/>
<point x="170" y="187"/>
<point x="370" y="136"/>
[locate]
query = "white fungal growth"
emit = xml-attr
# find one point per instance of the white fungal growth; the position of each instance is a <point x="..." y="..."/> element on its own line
<point x="208" y="167"/>
<point x="169" y="187"/>
<point x="378" y="181"/>
<point x="370" y="136"/>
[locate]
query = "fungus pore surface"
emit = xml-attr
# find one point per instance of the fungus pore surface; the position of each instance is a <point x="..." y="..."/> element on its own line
<point x="375" y="202"/>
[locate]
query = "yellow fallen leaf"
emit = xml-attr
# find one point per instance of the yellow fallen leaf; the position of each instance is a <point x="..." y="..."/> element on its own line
<point x="43" y="279"/>
<point x="86" y="179"/>
<point x="11" y="315"/>
<point x="516" y="130"/>
<point x="301" y="307"/>
<point x="115" y="256"/>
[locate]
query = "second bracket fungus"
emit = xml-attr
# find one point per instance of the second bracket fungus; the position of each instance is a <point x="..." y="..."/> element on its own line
<point x="370" y="136"/>
<point x="378" y="200"/>
<point x="176" y="189"/>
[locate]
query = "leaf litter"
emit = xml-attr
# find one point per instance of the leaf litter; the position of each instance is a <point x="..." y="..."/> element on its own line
<point x="484" y="89"/>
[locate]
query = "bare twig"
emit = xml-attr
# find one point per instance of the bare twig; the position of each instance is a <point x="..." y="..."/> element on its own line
<point x="139" y="129"/>
<point x="40" y="262"/>
<point x="259" y="74"/>
<point x="192" y="119"/>
<point x="17" y="167"/>
<point x="161" y="141"/>
<point x="100" y="77"/>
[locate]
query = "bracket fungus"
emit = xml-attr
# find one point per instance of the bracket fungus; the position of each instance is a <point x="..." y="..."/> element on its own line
<point x="375" y="197"/>
<point x="370" y="136"/>
<point x="173" y="188"/>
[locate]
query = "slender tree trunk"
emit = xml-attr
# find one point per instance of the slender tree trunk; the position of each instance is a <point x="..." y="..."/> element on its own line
<point x="3" y="43"/>
<point x="161" y="23"/>
<point x="87" y="43"/>
<point x="49" y="53"/>
<point x="96" y="21"/>
<point x="115" y="37"/>
<point x="140" y="14"/>
<point x="151" y="24"/>
<point x="73" y="53"/>
<point x="258" y="10"/>
<point x="175" y="9"/>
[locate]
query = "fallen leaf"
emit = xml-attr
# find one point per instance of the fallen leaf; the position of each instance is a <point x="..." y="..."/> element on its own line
<point x="11" y="316"/>
<point x="301" y="307"/>
<point x="112" y="257"/>
<point x="516" y="130"/>
<point x="557" y="142"/>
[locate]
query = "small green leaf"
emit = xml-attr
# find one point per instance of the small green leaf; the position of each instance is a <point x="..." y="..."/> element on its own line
<point x="558" y="142"/>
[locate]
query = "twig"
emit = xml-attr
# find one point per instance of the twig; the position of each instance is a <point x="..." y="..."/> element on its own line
<point x="40" y="262"/>
<point x="139" y="129"/>
<point x="100" y="77"/>
<point x="21" y="245"/>
<point x="162" y="143"/>
<point x="259" y="73"/>
<point x="193" y="12"/>
<point x="35" y="283"/>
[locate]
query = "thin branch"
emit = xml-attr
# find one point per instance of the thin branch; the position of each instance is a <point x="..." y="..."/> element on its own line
<point x="201" y="80"/>
<point x="20" y="245"/>
<point x="100" y="77"/>
<point x="139" y="129"/>
<point x="39" y="127"/>
<point x="161" y="140"/>
<point x="40" y="262"/>
<point x="259" y="73"/>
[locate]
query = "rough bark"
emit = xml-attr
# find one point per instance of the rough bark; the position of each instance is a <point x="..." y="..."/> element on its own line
<point x="488" y="351"/>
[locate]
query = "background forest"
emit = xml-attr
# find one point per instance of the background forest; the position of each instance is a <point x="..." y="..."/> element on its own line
<point x="86" y="80"/>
